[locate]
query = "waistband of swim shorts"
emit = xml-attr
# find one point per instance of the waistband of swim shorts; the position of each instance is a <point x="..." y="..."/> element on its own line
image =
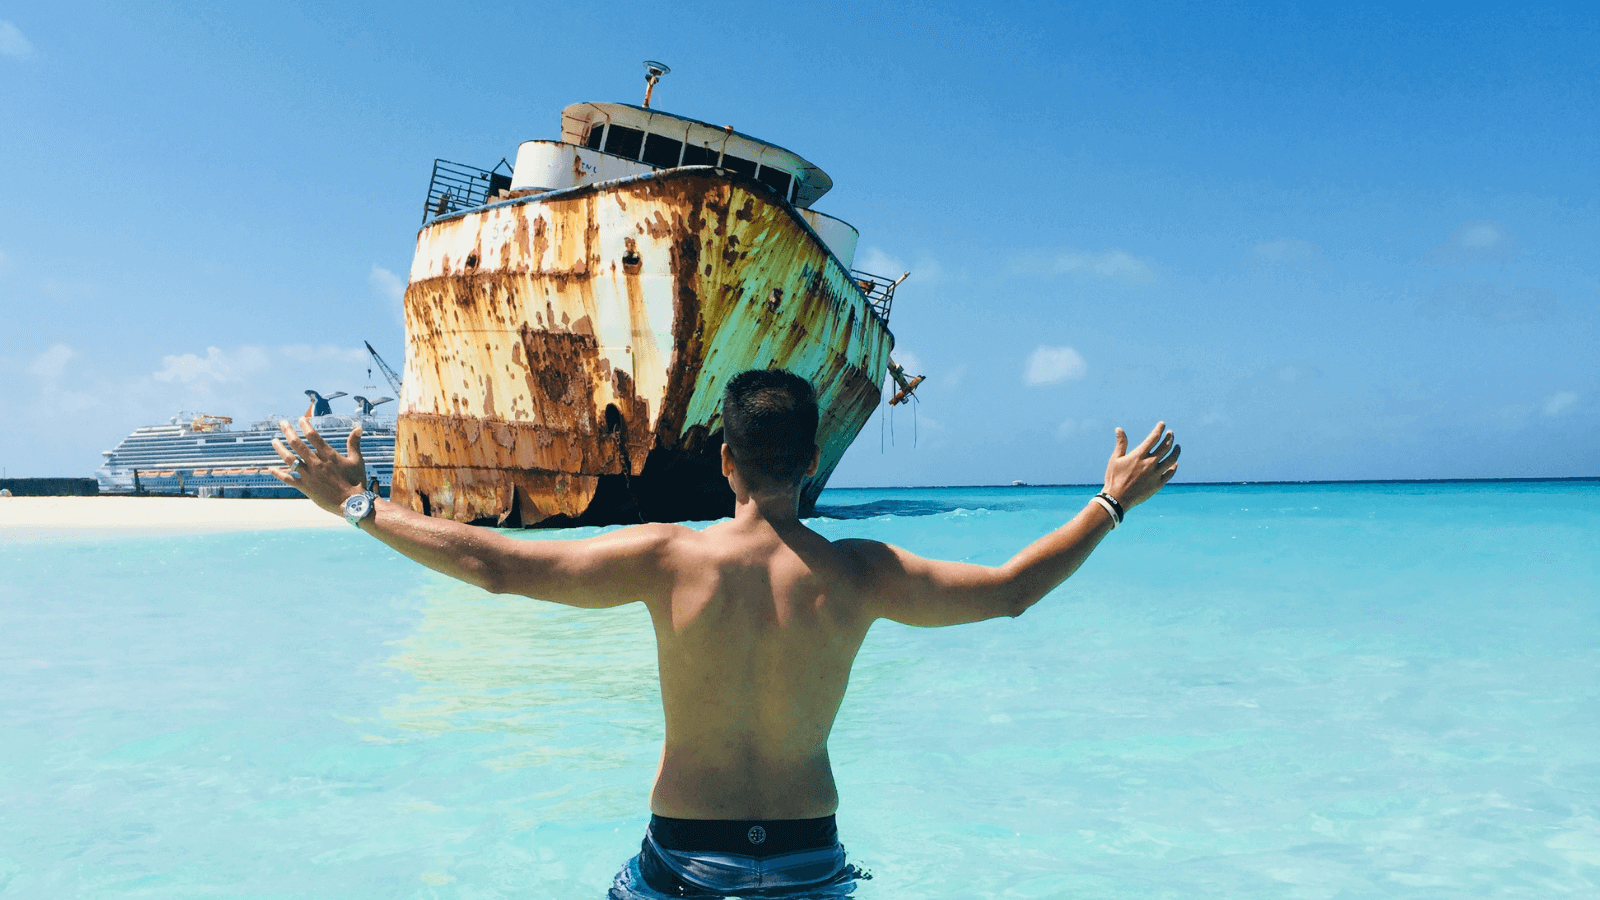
<point x="753" y="837"/>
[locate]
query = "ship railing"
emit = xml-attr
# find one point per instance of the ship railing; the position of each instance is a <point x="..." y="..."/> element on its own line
<point x="879" y="291"/>
<point x="457" y="186"/>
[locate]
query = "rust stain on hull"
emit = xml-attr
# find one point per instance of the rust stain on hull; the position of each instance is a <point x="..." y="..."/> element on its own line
<point x="565" y="357"/>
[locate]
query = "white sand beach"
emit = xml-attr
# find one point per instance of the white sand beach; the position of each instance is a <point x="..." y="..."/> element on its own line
<point x="71" y="516"/>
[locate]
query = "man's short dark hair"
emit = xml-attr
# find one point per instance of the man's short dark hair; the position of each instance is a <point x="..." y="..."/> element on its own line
<point x="769" y="422"/>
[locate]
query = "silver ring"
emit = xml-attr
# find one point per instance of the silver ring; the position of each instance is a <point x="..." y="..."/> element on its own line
<point x="294" y="467"/>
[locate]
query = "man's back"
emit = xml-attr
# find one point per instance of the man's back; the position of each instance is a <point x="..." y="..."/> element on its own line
<point x="757" y="622"/>
<point x="756" y="636"/>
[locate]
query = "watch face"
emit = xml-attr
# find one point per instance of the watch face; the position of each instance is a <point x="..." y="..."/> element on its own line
<point x="356" y="507"/>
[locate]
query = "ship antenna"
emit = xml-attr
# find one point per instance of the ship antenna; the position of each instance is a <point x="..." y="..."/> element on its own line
<point x="652" y="73"/>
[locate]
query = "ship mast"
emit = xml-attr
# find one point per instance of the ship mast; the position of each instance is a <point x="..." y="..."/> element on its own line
<point x="652" y="73"/>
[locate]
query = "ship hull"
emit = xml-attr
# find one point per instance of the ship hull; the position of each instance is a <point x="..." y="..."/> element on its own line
<point x="566" y="352"/>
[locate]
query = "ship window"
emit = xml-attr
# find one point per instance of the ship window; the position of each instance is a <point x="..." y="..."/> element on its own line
<point x="777" y="179"/>
<point x="662" y="152"/>
<point x="699" y="156"/>
<point x="596" y="132"/>
<point x="624" y="141"/>
<point x="742" y="166"/>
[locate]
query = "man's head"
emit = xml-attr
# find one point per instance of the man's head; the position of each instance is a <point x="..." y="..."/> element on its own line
<point x="769" y="425"/>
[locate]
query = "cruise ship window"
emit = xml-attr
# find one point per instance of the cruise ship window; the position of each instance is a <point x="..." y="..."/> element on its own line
<point x="624" y="141"/>
<point x="699" y="156"/>
<point x="777" y="179"/>
<point x="742" y="166"/>
<point x="596" y="132"/>
<point x="661" y="151"/>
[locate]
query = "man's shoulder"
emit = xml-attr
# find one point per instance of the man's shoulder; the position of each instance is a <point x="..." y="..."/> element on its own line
<point x="662" y="535"/>
<point x="863" y="549"/>
<point x="672" y="543"/>
<point x="661" y="530"/>
<point x="866" y="559"/>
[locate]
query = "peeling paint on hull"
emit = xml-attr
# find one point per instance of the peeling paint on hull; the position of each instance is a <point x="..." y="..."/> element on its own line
<point x="566" y="352"/>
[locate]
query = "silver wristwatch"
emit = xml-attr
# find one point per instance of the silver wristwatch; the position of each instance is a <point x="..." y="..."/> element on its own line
<point x="358" y="507"/>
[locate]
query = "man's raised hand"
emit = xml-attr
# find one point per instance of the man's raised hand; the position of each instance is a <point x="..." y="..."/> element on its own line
<point x="317" y="470"/>
<point x="1134" y="477"/>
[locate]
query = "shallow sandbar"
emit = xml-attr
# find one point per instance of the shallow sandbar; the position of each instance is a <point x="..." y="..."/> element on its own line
<point x="70" y="516"/>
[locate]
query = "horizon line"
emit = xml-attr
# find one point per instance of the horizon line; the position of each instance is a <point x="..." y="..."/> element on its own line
<point x="923" y="487"/>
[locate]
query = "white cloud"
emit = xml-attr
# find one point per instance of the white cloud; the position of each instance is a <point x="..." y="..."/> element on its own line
<point x="879" y="263"/>
<point x="925" y="272"/>
<point x="392" y="288"/>
<point x="1052" y="365"/>
<point x="1482" y="235"/>
<point x="1559" y="402"/>
<point x="1477" y="241"/>
<point x="12" y="41"/>
<point x="388" y="283"/>
<point x="940" y="379"/>
<point x="1070" y="427"/>
<point x="1290" y="373"/>
<point x="1285" y="252"/>
<point x="230" y="366"/>
<point x="909" y="361"/>
<point x="250" y="380"/>
<point x="1112" y="265"/>
<point x="187" y="367"/>
<point x="49" y="365"/>
<point x="89" y="407"/>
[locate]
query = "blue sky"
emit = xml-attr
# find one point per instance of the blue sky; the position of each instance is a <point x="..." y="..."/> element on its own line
<point x="1323" y="242"/>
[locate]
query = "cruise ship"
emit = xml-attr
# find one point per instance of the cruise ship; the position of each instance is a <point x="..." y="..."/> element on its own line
<point x="206" y="456"/>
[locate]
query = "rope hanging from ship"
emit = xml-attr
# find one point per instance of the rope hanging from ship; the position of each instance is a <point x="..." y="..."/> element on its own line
<point x="906" y="394"/>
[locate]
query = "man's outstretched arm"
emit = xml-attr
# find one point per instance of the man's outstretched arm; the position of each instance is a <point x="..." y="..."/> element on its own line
<point x="602" y="571"/>
<point x="927" y="592"/>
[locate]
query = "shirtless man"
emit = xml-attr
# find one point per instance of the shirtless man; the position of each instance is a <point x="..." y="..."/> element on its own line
<point x="757" y="620"/>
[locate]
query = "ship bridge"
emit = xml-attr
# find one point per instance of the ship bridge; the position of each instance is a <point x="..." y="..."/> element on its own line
<point x="661" y="140"/>
<point x="610" y="141"/>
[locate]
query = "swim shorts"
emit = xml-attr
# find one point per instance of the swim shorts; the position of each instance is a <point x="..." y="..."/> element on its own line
<point x="715" y="858"/>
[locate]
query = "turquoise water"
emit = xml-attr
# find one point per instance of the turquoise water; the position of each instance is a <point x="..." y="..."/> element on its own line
<point x="1327" y="691"/>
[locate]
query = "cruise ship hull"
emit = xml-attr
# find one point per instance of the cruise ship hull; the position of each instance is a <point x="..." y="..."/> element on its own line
<point x="566" y="352"/>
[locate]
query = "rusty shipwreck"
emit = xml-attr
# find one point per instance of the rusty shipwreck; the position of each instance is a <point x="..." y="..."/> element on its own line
<point x="571" y="324"/>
